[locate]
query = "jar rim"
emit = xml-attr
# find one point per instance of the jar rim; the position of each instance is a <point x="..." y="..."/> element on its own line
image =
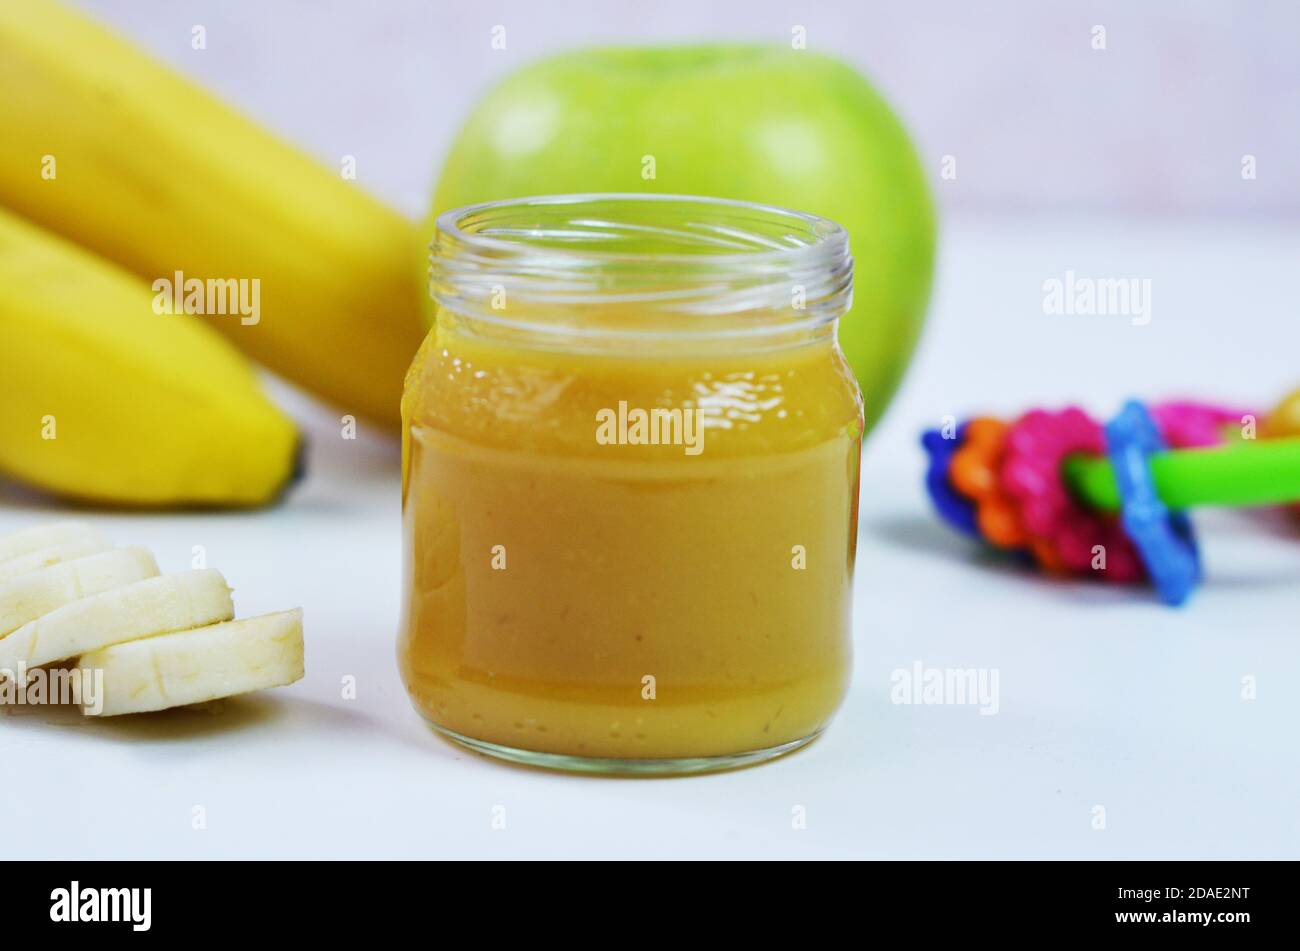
<point x="830" y="235"/>
<point x="667" y="254"/>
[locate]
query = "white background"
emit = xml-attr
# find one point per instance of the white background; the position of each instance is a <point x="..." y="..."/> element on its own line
<point x="1106" y="698"/>
<point x="1037" y="119"/>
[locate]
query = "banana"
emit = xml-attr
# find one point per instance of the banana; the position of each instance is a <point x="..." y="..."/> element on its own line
<point x="39" y="536"/>
<point x="105" y="400"/>
<point x="121" y="154"/>
<point x="186" y="667"/>
<point x="77" y="546"/>
<point x="153" y="606"/>
<point x="38" y="593"/>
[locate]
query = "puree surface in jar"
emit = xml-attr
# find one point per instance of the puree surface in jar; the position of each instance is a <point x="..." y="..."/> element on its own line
<point x="572" y="597"/>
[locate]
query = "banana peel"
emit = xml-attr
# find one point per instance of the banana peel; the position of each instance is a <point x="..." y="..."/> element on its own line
<point x="118" y="153"/>
<point x="105" y="400"/>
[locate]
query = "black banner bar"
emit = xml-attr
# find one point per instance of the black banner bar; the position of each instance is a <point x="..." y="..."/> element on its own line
<point x="93" y="900"/>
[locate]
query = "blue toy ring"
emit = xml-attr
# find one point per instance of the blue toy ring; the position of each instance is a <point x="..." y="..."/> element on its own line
<point x="1164" y="539"/>
<point x="955" y="509"/>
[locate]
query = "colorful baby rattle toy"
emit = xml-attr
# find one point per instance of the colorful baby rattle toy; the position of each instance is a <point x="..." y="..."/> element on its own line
<point x="1081" y="498"/>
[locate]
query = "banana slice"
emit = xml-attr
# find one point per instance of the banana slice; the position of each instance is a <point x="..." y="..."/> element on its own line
<point x="87" y="542"/>
<point x="40" y="536"/>
<point x="153" y="606"/>
<point x="222" y="660"/>
<point x="38" y="593"/>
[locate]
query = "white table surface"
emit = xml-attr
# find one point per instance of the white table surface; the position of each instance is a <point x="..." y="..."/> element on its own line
<point x="1106" y="698"/>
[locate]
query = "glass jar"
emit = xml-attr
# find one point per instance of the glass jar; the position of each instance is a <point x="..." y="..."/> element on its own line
<point x="630" y="474"/>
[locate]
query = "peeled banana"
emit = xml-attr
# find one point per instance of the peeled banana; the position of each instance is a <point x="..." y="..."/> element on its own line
<point x="124" y="156"/>
<point x="76" y="546"/>
<point x="37" y="593"/>
<point x="154" y="606"/>
<point x="199" y="665"/>
<point x="151" y="641"/>
<point x="103" y="399"/>
<point x="39" y="536"/>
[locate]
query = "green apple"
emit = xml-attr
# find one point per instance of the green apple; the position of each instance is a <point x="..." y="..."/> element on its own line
<point x="771" y="125"/>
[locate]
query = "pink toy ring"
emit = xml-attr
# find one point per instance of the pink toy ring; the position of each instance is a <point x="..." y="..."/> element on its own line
<point x="1188" y="424"/>
<point x="1036" y="447"/>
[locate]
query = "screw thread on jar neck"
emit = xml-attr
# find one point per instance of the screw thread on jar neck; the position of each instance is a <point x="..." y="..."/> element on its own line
<point x="630" y="271"/>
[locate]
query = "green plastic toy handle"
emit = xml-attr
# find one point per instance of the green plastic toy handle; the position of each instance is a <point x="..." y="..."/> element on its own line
<point x="1244" y="473"/>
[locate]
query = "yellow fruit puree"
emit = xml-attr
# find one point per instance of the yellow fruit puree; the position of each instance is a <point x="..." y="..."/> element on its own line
<point x="580" y="593"/>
